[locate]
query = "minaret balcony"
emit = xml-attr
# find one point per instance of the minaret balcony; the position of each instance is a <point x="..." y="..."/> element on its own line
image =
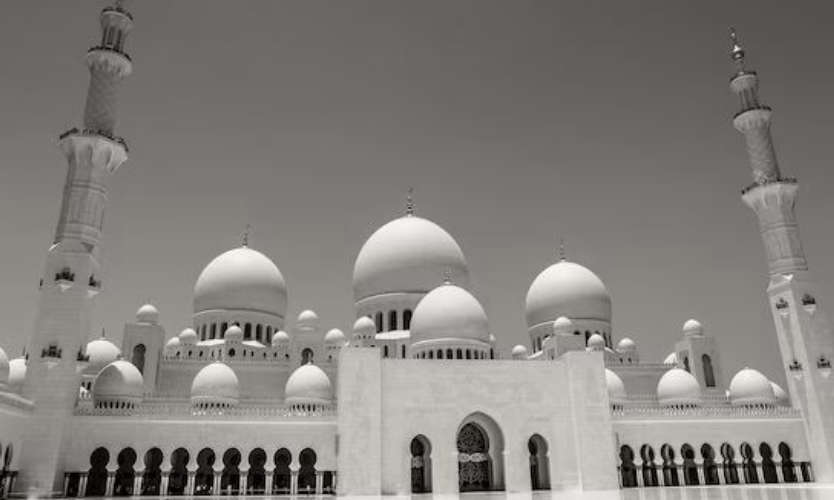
<point x="110" y="59"/>
<point x="92" y="133"/>
<point x="752" y="116"/>
<point x="780" y="180"/>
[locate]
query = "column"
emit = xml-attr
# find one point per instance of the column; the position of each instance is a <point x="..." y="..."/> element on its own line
<point x="759" y="472"/>
<point x="797" y="470"/>
<point x="244" y="481"/>
<point x="189" y="483"/>
<point x="66" y="482"/>
<point x="639" y="474"/>
<point x="319" y="482"/>
<point x="293" y="482"/>
<point x="268" y="482"/>
<point x="216" y="482"/>
<point x="702" y="477"/>
<point x="779" y="476"/>
<point x="335" y="482"/>
<point x="163" y="483"/>
<point x="82" y="485"/>
<point x="111" y="479"/>
<point x="681" y="474"/>
<point x="137" y="484"/>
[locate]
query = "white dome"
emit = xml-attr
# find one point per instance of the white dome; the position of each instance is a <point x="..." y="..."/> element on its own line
<point x="17" y="373"/>
<point x="567" y="289"/>
<point x="308" y="384"/>
<point x="693" y="328"/>
<point x="596" y="342"/>
<point x="671" y="359"/>
<point x="280" y="338"/>
<point x="148" y="313"/>
<point x="233" y="334"/>
<point x="241" y="278"/>
<point x="626" y="345"/>
<point x="334" y="336"/>
<point x="449" y="312"/>
<point x="364" y="326"/>
<point x="4" y="367"/>
<point x="409" y="254"/>
<point x="307" y="318"/>
<point x="188" y="337"/>
<point x="120" y="382"/>
<point x="173" y="342"/>
<point x="678" y="387"/>
<point x="562" y="326"/>
<point x="100" y="353"/>
<point x="750" y="387"/>
<point x="215" y="384"/>
<point x="519" y="352"/>
<point x="616" y="387"/>
<point x="780" y="395"/>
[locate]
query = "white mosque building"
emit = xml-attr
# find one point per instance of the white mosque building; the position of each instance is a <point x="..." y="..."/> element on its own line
<point x="413" y="397"/>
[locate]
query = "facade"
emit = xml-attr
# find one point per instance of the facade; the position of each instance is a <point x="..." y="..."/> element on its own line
<point x="415" y="398"/>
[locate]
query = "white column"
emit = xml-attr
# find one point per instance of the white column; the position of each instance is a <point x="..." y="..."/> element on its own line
<point x="268" y="481"/>
<point x="702" y="476"/>
<point x="137" y="484"/>
<point x="189" y="483"/>
<point x="779" y="476"/>
<point x="244" y="481"/>
<point x="215" y="483"/>
<point x="111" y="479"/>
<point x="319" y="482"/>
<point x="163" y="483"/>
<point x="82" y="485"/>
<point x="293" y="482"/>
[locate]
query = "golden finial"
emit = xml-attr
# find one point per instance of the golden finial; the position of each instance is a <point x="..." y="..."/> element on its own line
<point x="447" y="276"/>
<point x="246" y="235"/>
<point x="409" y="202"/>
<point x="736" y="52"/>
<point x="562" y="256"/>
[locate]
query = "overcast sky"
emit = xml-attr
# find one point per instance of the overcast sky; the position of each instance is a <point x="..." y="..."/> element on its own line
<point x="517" y="123"/>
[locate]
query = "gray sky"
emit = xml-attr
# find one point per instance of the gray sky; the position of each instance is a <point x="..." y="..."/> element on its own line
<point x="517" y="122"/>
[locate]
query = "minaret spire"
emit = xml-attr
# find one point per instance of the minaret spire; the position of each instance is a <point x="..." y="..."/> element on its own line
<point x="409" y="202"/>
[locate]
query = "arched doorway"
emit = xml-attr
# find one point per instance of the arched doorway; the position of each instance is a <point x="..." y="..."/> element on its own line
<point x="709" y="373"/>
<point x="768" y="466"/>
<point x="728" y="455"/>
<point x="307" y="472"/>
<point x="670" y="469"/>
<point x="230" y="478"/>
<point x="138" y="358"/>
<point x="178" y="477"/>
<point x="788" y="466"/>
<point x="256" y="479"/>
<point x="648" y="467"/>
<point x="420" y="465"/>
<point x="306" y="356"/>
<point x="97" y="475"/>
<point x="123" y="482"/>
<point x="480" y="447"/>
<point x="539" y="464"/>
<point x="281" y="476"/>
<point x="628" y="471"/>
<point x="710" y="469"/>
<point x="751" y="475"/>
<point x="690" y="468"/>
<point x="204" y="477"/>
<point x="152" y="476"/>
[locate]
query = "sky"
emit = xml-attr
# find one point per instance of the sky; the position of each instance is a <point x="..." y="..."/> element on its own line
<point x="517" y="123"/>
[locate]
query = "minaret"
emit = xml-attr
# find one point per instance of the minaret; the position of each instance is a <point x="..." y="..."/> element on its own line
<point x="804" y="333"/>
<point x="71" y="277"/>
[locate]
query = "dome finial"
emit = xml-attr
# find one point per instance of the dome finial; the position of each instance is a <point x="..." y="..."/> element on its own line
<point x="103" y="333"/>
<point x="736" y="52"/>
<point x="409" y="201"/>
<point x="246" y="235"/>
<point x="562" y="256"/>
<point x="447" y="276"/>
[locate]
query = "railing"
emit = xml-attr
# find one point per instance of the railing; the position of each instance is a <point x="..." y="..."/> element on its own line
<point x="751" y="108"/>
<point x="780" y="180"/>
<point x="631" y="410"/>
<point x="89" y="132"/>
<point x="179" y="408"/>
<point x="109" y="49"/>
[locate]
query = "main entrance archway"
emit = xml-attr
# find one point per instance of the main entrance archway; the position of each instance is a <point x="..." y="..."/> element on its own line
<point x="480" y="454"/>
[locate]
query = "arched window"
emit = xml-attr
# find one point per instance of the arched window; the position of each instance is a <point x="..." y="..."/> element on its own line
<point x="468" y="354"/>
<point x="268" y="334"/>
<point x="223" y="328"/>
<point x="378" y="321"/>
<point x="648" y="467"/>
<point x="392" y="321"/>
<point x="729" y="465"/>
<point x="709" y="375"/>
<point x="768" y="466"/>
<point x="204" y="477"/>
<point x="178" y="477"/>
<point x="138" y="358"/>
<point x="587" y="336"/>
<point x="670" y="469"/>
<point x="214" y="330"/>
<point x="690" y="469"/>
<point x="259" y="333"/>
<point x="431" y="354"/>
<point x="97" y="475"/>
<point x="788" y="466"/>
<point x="385" y="351"/>
<point x="539" y="466"/>
<point x="125" y="475"/>
<point x="751" y="475"/>
<point x="460" y="353"/>
<point x="282" y="474"/>
<point x="256" y="478"/>
<point x="152" y="476"/>
<point x="491" y="354"/>
<point x="230" y="478"/>
<point x="402" y="347"/>
<point x="420" y="465"/>
<point x="407" y="319"/>
<point x="710" y="469"/>
<point x="307" y="472"/>
<point x="247" y="331"/>
<point x="628" y="471"/>
<point x="306" y="356"/>
<point x="440" y="354"/>
<point x="686" y="364"/>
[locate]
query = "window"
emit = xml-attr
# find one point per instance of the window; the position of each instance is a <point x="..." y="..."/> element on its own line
<point x="306" y="356"/>
<point x="259" y="333"/>
<point x="213" y="330"/>
<point x="407" y="319"/>
<point x="709" y="375"/>
<point x="385" y="351"/>
<point x="247" y="331"/>
<point x="223" y="328"/>
<point x="403" y="351"/>
<point x="138" y="358"/>
<point x="392" y="320"/>
<point x="378" y="321"/>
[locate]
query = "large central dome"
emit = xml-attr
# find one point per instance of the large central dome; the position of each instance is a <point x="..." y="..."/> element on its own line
<point x="567" y="289"/>
<point x="241" y="278"/>
<point x="409" y="254"/>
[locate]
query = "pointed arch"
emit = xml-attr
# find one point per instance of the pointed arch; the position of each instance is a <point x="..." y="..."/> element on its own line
<point x="670" y="469"/>
<point x="710" y="469"/>
<point x="178" y="477"/>
<point x="690" y="468"/>
<point x="204" y="477"/>
<point x="628" y="471"/>
<point x="281" y="475"/>
<point x="648" y="467"/>
<point x="307" y="472"/>
<point x="152" y="475"/>
<point x="788" y="466"/>
<point x="709" y="373"/>
<point x="728" y="455"/>
<point x="97" y="475"/>
<point x="421" y="470"/>
<point x="125" y="475"/>
<point x="539" y="463"/>
<point x="480" y="445"/>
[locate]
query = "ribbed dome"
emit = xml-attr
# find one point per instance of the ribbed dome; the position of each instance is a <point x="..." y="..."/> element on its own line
<point x="148" y="313"/>
<point x="449" y="312"/>
<point x="596" y="342"/>
<point x="4" y="367"/>
<point x="188" y="337"/>
<point x="567" y="289"/>
<point x="693" y="328"/>
<point x="616" y="387"/>
<point x="241" y="278"/>
<point x="626" y="345"/>
<point x="17" y="373"/>
<point x="519" y="352"/>
<point x="280" y="338"/>
<point x="216" y="384"/>
<point x="408" y="254"/>
<point x="308" y="385"/>
<point x="678" y="387"/>
<point x="750" y="387"/>
<point x="780" y="395"/>
<point x="118" y="382"/>
<point x="100" y="353"/>
<point x="334" y="336"/>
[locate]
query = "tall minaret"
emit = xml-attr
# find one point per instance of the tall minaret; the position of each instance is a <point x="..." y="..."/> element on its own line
<point x="71" y="277"/>
<point x="804" y="333"/>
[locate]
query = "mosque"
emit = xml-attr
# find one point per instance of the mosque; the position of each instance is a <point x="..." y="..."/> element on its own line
<point x="413" y="397"/>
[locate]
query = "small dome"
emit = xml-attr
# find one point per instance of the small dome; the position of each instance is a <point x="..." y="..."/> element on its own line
<point x="100" y="353"/>
<point x="750" y="387"/>
<point x="364" y="326"/>
<point x="308" y="318"/>
<point x="567" y="289"/>
<point x="172" y="343"/>
<point x="188" y="337"/>
<point x="17" y="373"/>
<point x="4" y="367"/>
<point x="781" y="396"/>
<point x="280" y="338"/>
<point x="626" y="345"/>
<point x="519" y="352"/>
<point x="408" y="254"/>
<point x="562" y="326"/>
<point x="308" y="385"/>
<point x="118" y="382"/>
<point x="693" y="328"/>
<point x="596" y="342"/>
<point x="492" y="339"/>
<point x="233" y="334"/>
<point x="215" y="385"/>
<point x="147" y="314"/>
<point x="241" y="278"/>
<point x="671" y="359"/>
<point x="334" y="336"/>
<point x="616" y="387"/>
<point x="678" y="387"/>
<point x="449" y="312"/>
